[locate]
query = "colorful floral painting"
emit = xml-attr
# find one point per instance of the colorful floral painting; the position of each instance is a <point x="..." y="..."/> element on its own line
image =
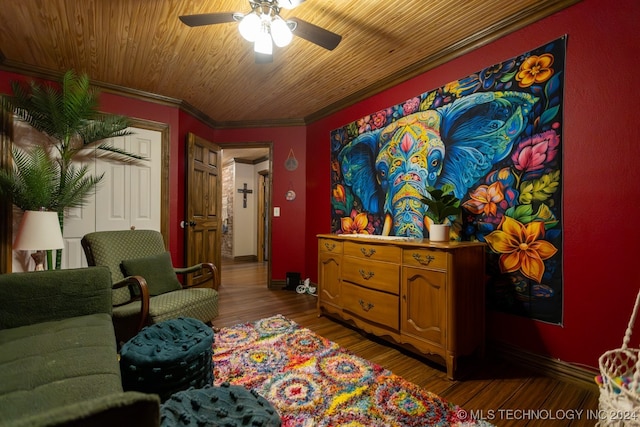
<point x="495" y="138"/>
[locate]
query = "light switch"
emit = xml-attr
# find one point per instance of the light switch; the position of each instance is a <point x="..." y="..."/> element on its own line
<point x="276" y="211"/>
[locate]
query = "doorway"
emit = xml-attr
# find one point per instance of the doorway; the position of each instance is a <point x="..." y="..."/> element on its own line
<point x="246" y="201"/>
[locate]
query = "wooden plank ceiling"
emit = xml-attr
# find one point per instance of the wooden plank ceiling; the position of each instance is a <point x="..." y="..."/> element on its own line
<point x="141" y="45"/>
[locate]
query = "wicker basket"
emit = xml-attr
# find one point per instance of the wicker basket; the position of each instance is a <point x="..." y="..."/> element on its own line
<point x="619" y="382"/>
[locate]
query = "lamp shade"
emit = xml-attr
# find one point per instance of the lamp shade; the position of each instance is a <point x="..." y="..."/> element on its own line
<point x="280" y="32"/>
<point x="38" y="231"/>
<point x="263" y="43"/>
<point x="250" y="26"/>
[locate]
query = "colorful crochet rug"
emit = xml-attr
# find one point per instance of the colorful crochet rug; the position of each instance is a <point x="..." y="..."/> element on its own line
<point x="312" y="381"/>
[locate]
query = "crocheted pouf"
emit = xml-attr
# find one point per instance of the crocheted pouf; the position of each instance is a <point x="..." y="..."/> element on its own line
<point x="168" y="357"/>
<point x="223" y="406"/>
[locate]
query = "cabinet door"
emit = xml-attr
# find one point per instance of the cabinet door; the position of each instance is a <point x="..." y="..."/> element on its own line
<point x="424" y="309"/>
<point x="329" y="279"/>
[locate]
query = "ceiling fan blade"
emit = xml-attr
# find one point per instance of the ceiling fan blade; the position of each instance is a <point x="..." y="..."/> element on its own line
<point x="207" y="19"/>
<point x="315" y="34"/>
<point x="289" y="4"/>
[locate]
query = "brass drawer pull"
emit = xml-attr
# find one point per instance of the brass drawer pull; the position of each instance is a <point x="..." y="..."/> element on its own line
<point x="366" y="306"/>
<point x="330" y="247"/>
<point x="424" y="261"/>
<point x="368" y="253"/>
<point x="366" y="275"/>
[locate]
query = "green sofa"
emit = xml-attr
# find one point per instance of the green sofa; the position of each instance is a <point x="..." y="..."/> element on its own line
<point x="58" y="355"/>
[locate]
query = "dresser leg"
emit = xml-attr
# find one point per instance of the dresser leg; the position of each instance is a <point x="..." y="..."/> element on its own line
<point x="451" y="366"/>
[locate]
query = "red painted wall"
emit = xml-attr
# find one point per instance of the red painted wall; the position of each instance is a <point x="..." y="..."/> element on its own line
<point x="601" y="182"/>
<point x="289" y="229"/>
<point x="601" y="175"/>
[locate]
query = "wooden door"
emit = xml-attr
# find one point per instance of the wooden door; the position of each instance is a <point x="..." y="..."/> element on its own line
<point x="203" y="205"/>
<point x="263" y="210"/>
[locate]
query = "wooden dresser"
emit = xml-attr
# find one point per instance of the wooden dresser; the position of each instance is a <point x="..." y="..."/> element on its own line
<point x="428" y="296"/>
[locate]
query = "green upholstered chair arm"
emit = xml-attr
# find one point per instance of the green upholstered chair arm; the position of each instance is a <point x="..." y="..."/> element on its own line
<point x="210" y="267"/>
<point x="186" y="270"/>
<point x="142" y="289"/>
<point x="39" y="296"/>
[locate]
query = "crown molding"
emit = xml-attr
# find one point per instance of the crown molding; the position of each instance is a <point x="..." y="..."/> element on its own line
<point x="45" y="74"/>
<point x="247" y="161"/>
<point x="541" y="10"/>
<point x="490" y="34"/>
<point x="261" y="123"/>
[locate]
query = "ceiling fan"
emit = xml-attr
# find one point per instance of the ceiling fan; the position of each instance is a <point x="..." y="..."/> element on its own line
<point x="264" y="27"/>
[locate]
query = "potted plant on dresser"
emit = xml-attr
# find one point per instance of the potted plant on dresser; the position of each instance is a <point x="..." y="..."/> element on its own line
<point x="442" y="208"/>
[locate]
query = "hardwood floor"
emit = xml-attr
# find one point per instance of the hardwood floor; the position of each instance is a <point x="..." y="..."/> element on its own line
<point x="502" y="394"/>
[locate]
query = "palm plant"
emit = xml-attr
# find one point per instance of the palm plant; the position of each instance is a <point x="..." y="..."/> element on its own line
<point x="69" y="118"/>
<point x="32" y="180"/>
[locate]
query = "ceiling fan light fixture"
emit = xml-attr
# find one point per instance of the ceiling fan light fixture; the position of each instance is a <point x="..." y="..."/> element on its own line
<point x="264" y="27"/>
<point x="250" y="26"/>
<point x="280" y="32"/>
<point x="263" y="43"/>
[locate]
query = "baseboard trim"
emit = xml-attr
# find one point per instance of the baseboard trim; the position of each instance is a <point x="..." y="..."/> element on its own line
<point x="278" y="284"/>
<point x="578" y="375"/>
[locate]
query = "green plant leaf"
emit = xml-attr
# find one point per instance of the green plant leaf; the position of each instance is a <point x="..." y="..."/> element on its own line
<point x="441" y="203"/>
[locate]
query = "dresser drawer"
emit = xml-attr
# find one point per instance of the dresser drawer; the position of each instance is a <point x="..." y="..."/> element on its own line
<point x="371" y="305"/>
<point x="425" y="258"/>
<point x="382" y="276"/>
<point x="328" y="245"/>
<point x="373" y="252"/>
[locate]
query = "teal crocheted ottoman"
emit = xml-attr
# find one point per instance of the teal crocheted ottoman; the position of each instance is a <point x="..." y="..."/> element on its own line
<point x="224" y="406"/>
<point x="168" y="357"/>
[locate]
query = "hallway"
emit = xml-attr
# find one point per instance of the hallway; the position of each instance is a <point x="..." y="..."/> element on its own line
<point x="244" y="296"/>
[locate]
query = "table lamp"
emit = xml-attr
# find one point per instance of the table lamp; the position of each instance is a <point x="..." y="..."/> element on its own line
<point x="39" y="231"/>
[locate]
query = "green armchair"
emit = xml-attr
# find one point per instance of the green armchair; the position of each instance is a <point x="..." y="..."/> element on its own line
<point x="146" y="289"/>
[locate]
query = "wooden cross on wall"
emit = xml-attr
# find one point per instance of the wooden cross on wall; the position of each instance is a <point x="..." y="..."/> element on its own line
<point x="244" y="192"/>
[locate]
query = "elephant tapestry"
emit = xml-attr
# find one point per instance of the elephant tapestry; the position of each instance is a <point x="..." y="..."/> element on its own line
<point x="494" y="139"/>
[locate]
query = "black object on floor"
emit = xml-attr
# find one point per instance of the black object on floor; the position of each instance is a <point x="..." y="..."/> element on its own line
<point x="293" y="280"/>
